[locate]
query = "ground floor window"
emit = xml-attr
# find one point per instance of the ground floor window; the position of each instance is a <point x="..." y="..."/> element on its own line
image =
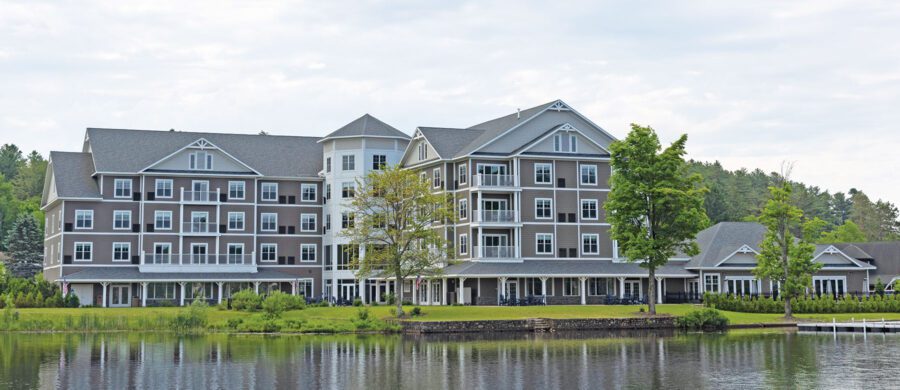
<point x="270" y="287"/>
<point x="199" y="291"/>
<point x="160" y="291"/>
<point x="833" y="285"/>
<point x="436" y="292"/>
<point x="571" y="287"/>
<point x="601" y="286"/>
<point x="533" y="286"/>
<point x="711" y="283"/>
<point x="633" y="288"/>
<point x="229" y="289"/>
<point x="741" y="285"/>
<point x="305" y="287"/>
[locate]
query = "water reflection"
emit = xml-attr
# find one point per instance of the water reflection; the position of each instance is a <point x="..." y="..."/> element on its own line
<point x="559" y="360"/>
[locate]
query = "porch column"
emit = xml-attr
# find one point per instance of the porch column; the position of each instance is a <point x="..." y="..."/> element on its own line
<point x="428" y="291"/>
<point x="221" y="285"/>
<point x="294" y="287"/>
<point x="143" y="294"/>
<point x="415" y="292"/>
<point x="583" y="291"/>
<point x="105" y="286"/>
<point x="362" y="290"/>
<point x="256" y="287"/>
<point x="502" y="288"/>
<point x="621" y="288"/>
<point x="377" y="297"/>
<point x="444" y="291"/>
<point x="544" y="286"/>
<point x="460" y="295"/>
<point x="659" y="294"/>
<point x="181" y="298"/>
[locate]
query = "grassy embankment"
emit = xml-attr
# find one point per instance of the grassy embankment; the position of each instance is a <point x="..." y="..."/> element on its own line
<point x="342" y="319"/>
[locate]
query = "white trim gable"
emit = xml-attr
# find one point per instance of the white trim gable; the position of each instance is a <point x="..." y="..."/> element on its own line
<point x="201" y="144"/>
<point x="413" y="144"/>
<point x="565" y="127"/>
<point x="832" y="250"/>
<point x="560" y="106"/>
<point x="744" y="249"/>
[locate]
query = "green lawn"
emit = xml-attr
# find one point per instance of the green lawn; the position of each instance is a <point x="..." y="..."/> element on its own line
<point x="347" y="319"/>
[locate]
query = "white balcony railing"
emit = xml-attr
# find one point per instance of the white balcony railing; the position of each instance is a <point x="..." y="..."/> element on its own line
<point x="496" y="216"/>
<point x="492" y="180"/>
<point x="189" y="196"/>
<point x="496" y="252"/>
<point x="199" y="228"/>
<point x="189" y="262"/>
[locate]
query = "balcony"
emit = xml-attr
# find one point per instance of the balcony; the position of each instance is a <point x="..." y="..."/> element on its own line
<point x="200" y="197"/>
<point x="496" y="216"/>
<point x="199" y="228"/>
<point x="495" y="252"/>
<point x="493" y="181"/>
<point x="187" y="262"/>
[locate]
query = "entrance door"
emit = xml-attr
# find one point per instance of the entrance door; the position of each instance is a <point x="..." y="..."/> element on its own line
<point x="512" y="289"/>
<point x="693" y="289"/>
<point x="633" y="288"/>
<point x="120" y="296"/>
<point x="347" y="291"/>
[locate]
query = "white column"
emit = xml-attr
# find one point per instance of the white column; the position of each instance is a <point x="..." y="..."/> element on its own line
<point x="181" y="299"/>
<point x="502" y="288"/>
<point x="221" y="290"/>
<point x="659" y="294"/>
<point x="362" y="290"/>
<point x="377" y="298"/>
<point x="583" y="290"/>
<point x="294" y="288"/>
<point x="621" y="287"/>
<point x="544" y="286"/>
<point x="256" y="287"/>
<point x="443" y="291"/>
<point x="427" y="292"/>
<point x="143" y="294"/>
<point x="105" y="285"/>
<point x="461" y="290"/>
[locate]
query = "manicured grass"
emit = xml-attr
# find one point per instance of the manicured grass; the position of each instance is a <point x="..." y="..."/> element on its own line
<point x="347" y="319"/>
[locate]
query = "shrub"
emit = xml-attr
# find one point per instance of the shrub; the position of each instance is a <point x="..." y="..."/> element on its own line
<point x="362" y="314"/>
<point x="703" y="319"/>
<point x="191" y="318"/>
<point x="246" y="300"/>
<point x="805" y="304"/>
<point x="879" y="287"/>
<point x="389" y="298"/>
<point x="278" y="302"/>
<point x="233" y="323"/>
<point x="416" y="311"/>
<point x="357" y="302"/>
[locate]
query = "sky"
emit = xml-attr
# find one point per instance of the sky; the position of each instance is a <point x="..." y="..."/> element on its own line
<point x="753" y="84"/>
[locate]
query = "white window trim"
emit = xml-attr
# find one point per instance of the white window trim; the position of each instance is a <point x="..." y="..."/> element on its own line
<point x="459" y="213"/>
<point x="243" y="221"/>
<point x="127" y="258"/>
<point x="718" y="282"/>
<point x="205" y="254"/>
<point x="436" y="178"/>
<point x="315" y="192"/>
<point x="536" y="173"/>
<point x="537" y="246"/>
<point x="262" y="218"/>
<point x="581" y="175"/>
<point x="127" y="226"/>
<point x="314" y="253"/>
<point x="348" y="184"/>
<point x="573" y="143"/>
<point x="463" y="172"/>
<point x="595" y="236"/>
<point x="262" y="192"/>
<point x="156" y="188"/>
<point x="536" y="200"/>
<point x="596" y="209"/>
<point x="75" y="251"/>
<point x="165" y="245"/>
<point x="557" y="142"/>
<point x="463" y="239"/>
<point x="91" y="219"/>
<point x="171" y="219"/>
<point x="379" y="167"/>
<point x="130" y="188"/>
<point x="350" y="158"/>
<point x="244" y="190"/>
<point x="268" y="244"/>
<point x="315" y="222"/>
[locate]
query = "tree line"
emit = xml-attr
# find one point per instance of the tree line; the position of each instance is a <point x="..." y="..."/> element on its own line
<point x="21" y="218"/>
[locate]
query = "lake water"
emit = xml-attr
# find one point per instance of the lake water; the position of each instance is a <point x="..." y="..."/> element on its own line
<point x="738" y="359"/>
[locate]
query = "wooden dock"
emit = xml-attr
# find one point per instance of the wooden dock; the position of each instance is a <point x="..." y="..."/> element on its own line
<point x="856" y="326"/>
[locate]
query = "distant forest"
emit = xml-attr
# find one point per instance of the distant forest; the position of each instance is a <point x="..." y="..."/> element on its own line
<point x="739" y="195"/>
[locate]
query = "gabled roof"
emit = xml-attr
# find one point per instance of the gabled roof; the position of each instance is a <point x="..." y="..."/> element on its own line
<point x="71" y="173"/>
<point x="129" y="151"/>
<point x="368" y="126"/>
<point x="495" y="127"/>
<point x="447" y="142"/>
<point x="885" y="256"/>
<point x="723" y="239"/>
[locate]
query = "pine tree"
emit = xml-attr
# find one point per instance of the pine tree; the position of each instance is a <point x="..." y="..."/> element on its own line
<point x="25" y="247"/>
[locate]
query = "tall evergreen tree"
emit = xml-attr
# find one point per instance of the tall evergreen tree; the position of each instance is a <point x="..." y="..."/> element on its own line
<point x="840" y="208"/>
<point x="10" y="161"/>
<point x="24" y="246"/>
<point x="29" y="181"/>
<point x="655" y="206"/>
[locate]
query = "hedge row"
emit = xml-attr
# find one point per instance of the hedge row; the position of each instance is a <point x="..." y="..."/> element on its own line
<point x="875" y="303"/>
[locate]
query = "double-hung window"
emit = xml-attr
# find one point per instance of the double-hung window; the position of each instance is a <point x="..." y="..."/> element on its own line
<point x="348" y="190"/>
<point x="573" y="143"/>
<point x="162" y="253"/>
<point x="163" y="188"/>
<point x="463" y="244"/>
<point x="84" y="251"/>
<point x="711" y="283"/>
<point x="436" y="178"/>
<point x="543" y="173"/>
<point x="590" y="244"/>
<point x="236" y="221"/>
<point x="571" y="287"/>
<point x="121" y="219"/>
<point x="237" y="190"/>
<point x="544" y="243"/>
<point x="235" y="254"/>
<point x="84" y="219"/>
<point x="121" y="251"/>
<point x="162" y="220"/>
<point x="379" y="162"/>
<point x="328" y="164"/>
<point x="122" y="188"/>
<point x="308" y="192"/>
<point x="589" y="209"/>
<point x="543" y="208"/>
<point x="308" y="222"/>
<point x="201" y="161"/>
<point x="348" y="162"/>
<point x="268" y="252"/>
<point x="589" y="175"/>
<point x="268" y="222"/>
<point x="307" y="252"/>
<point x="423" y="151"/>
<point x="463" y="208"/>
<point x="346" y="220"/>
<point x="463" y="174"/>
<point x="269" y="192"/>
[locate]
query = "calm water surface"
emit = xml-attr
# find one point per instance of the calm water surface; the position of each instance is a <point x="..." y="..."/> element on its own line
<point x="739" y="359"/>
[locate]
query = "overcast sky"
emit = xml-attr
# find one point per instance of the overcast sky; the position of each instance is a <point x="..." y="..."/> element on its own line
<point x="753" y="84"/>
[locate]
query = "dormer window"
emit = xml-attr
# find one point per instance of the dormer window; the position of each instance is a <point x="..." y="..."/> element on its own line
<point x="201" y="161"/>
<point x="423" y="151"/>
<point x="573" y="143"/>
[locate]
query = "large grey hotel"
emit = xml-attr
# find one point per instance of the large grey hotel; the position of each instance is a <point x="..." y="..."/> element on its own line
<point x="147" y="217"/>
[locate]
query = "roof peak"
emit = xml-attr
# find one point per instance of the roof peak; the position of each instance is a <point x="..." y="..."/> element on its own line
<point x="367" y="125"/>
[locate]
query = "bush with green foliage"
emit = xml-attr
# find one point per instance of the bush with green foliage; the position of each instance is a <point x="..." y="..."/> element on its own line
<point x="703" y="319"/>
<point x="192" y="318"/>
<point x="806" y="304"/>
<point x="879" y="287"/>
<point x="246" y="300"/>
<point x="416" y="311"/>
<point x="357" y="302"/>
<point x="278" y="302"/>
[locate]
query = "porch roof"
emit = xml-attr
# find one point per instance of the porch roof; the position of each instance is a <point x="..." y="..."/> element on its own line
<point x="562" y="268"/>
<point x="132" y="274"/>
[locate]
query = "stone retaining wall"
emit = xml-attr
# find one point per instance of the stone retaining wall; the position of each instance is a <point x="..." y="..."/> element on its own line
<point x="529" y="325"/>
